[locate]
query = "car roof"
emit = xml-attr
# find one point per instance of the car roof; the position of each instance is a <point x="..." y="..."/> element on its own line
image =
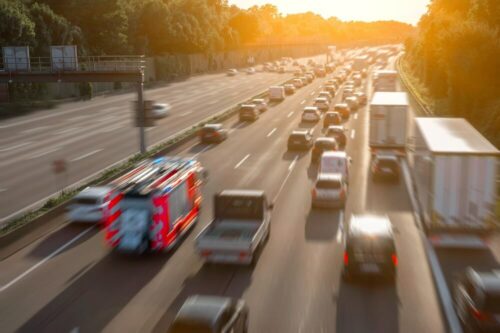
<point x="330" y="176"/>
<point x="248" y="105"/>
<point x="341" y="154"/>
<point x="214" y="126"/>
<point x="93" y="192"/>
<point x="350" y="98"/>
<point x="341" y="105"/>
<point x="310" y="108"/>
<point x="382" y="156"/>
<point x="374" y="225"/>
<point x="242" y="193"/>
<point x="336" y="127"/>
<point x="203" y="309"/>
<point x="320" y="99"/>
<point x="325" y="139"/>
<point x="259" y="100"/>
<point x="300" y="132"/>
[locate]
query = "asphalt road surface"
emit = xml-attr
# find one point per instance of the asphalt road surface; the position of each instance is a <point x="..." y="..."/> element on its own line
<point x="93" y="135"/>
<point x="68" y="280"/>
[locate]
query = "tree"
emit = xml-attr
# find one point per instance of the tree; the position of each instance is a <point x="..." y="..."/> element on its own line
<point x="16" y="27"/>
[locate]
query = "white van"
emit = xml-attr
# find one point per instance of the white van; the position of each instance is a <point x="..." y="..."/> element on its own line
<point x="335" y="162"/>
<point x="276" y="93"/>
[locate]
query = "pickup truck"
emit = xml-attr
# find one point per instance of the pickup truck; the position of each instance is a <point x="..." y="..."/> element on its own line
<point x="239" y="230"/>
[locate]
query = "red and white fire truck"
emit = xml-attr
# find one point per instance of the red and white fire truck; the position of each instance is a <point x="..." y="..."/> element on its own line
<point x="152" y="206"/>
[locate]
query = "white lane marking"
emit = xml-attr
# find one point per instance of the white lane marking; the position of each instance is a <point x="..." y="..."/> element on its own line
<point x="149" y="129"/>
<point x="15" y="147"/>
<point x="355" y="116"/>
<point x="353" y="133"/>
<point x="44" y="152"/>
<point x="242" y="161"/>
<point x="290" y="169"/>
<point x="202" y="151"/>
<point x="340" y="228"/>
<point x="110" y="108"/>
<point x="292" y="165"/>
<point x="34" y="130"/>
<point x="3" y="190"/>
<point x="185" y="113"/>
<point x="66" y="130"/>
<point x="213" y="102"/>
<point x="86" y="155"/>
<point x="290" y="114"/>
<point x="50" y="256"/>
<point x="312" y="93"/>
<point x="111" y="128"/>
<point x="271" y="133"/>
<point x="79" y="118"/>
<point x="302" y="102"/>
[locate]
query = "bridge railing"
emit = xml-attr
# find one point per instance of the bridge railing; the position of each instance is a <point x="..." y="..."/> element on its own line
<point x="73" y="64"/>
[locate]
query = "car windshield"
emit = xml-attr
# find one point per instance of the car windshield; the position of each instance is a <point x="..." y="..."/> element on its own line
<point x="190" y="327"/>
<point x="492" y="303"/>
<point x="328" y="184"/>
<point x="366" y="247"/>
<point x="297" y="137"/>
<point x="324" y="144"/>
<point x="386" y="163"/>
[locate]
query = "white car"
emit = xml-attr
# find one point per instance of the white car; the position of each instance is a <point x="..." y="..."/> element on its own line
<point x="330" y="190"/>
<point x="232" y="72"/>
<point x="260" y="103"/>
<point x="310" y="114"/>
<point x="322" y="103"/>
<point x="89" y="205"/>
<point x="161" y="110"/>
<point x="251" y="71"/>
<point x="325" y="94"/>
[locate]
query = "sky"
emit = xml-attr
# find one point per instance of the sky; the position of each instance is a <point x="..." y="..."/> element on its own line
<point x="349" y="10"/>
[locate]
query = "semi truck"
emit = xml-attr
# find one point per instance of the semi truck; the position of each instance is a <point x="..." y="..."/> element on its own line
<point x="454" y="171"/>
<point x="385" y="80"/>
<point x="239" y="230"/>
<point x="388" y="122"/>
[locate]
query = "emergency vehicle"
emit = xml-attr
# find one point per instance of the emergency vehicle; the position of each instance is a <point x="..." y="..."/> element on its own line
<point x="153" y="205"/>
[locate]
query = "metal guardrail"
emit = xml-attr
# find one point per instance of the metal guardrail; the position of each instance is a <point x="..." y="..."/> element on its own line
<point x="422" y="105"/>
<point x="73" y="64"/>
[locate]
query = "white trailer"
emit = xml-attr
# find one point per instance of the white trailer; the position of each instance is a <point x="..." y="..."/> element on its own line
<point x="388" y="122"/>
<point x="455" y="170"/>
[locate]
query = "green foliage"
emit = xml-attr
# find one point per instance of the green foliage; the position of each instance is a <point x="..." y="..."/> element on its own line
<point x="16" y="26"/>
<point x="456" y="55"/>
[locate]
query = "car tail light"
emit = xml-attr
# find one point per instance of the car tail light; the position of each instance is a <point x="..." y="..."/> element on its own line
<point x="481" y="316"/>
<point x="243" y="255"/>
<point x="394" y="258"/>
<point x="346" y="258"/>
<point x="206" y="253"/>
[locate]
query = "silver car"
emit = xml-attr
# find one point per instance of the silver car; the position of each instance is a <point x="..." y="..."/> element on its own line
<point x="89" y="205"/>
<point x="330" y="191"/>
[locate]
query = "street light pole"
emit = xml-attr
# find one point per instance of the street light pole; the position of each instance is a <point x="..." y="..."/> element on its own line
<point x="142" y="118"/>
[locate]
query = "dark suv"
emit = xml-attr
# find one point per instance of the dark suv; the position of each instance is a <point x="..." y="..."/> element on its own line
<point x="476" y="297"/>
<point x="385" y="167"/>
<point x="300" y="140"/>
<point x="369" y="248"/>
<point x="332" y="118"/>
<point x="321" y="145"/>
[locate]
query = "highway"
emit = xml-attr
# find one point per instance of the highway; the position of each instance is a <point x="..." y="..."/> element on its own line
<point x="69" y="280"/>
<point x="92" y="135"/>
